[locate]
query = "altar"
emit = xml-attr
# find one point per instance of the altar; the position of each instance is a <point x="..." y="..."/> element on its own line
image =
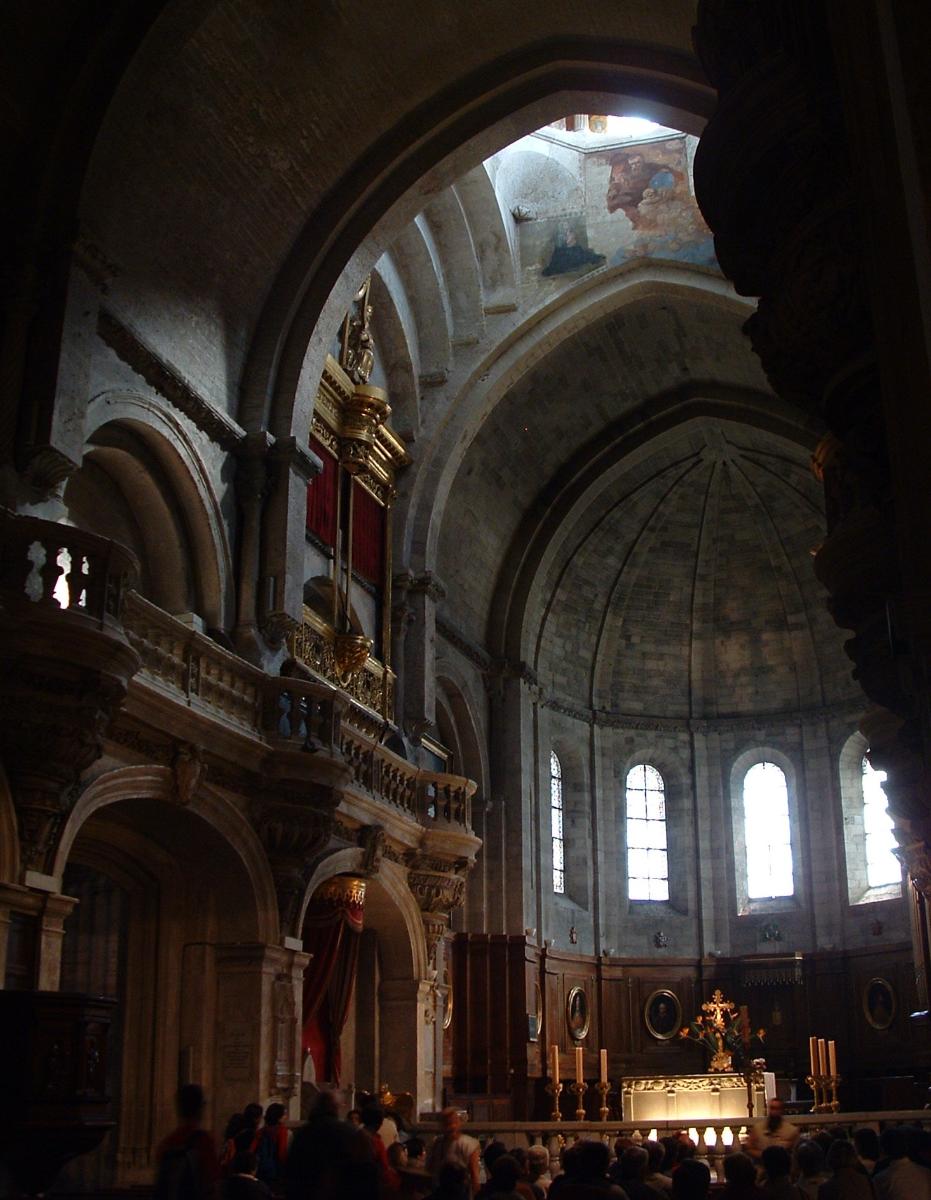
<point x="689" y="1098"/>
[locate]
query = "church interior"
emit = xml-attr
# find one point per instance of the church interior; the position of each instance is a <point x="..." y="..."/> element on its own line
<point x="464" y="587"/>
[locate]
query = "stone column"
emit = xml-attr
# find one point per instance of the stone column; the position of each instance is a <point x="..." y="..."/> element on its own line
<point x="415" y="601"/>
<point x="402" y="1009"/>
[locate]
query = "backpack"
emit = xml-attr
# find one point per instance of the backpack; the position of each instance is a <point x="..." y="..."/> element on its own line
<point x="267" y="1155"/>
<point x="178" y="1175"/>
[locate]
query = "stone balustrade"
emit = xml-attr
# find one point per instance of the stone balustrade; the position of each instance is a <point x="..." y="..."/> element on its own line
<point x="58" y="567"/>
<point x="715" y="1138"/>
<point x="286" y="712"/>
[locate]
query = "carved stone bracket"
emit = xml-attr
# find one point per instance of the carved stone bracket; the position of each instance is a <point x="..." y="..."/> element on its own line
<point x="294" y="828"/>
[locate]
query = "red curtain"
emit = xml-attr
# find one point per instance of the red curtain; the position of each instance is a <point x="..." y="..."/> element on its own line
<point x="321" y="496"/>
<point x="368" y="537"/>
<point x="331" y="935"/>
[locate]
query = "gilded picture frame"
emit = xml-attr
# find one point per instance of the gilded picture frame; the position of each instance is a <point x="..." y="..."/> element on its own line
<point x="578" y="1016"/>
<point x="879" y="1002"/>
<point x="662" y="1014"/>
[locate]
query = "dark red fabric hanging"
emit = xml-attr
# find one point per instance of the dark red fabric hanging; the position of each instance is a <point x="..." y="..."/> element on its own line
<point x="368" y="536"/>
<point x="321" y="496"/>
<point x="331" y="934"/>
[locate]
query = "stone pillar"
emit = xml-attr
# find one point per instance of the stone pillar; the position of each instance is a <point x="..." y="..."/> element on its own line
<point x="416" y="598"/>
<point x="47" y="911"/>
<point x="792" y="208"/>
<point x="512" y="693"/>
<point x="280" y="607"/>
<point x="402" y="1007"/>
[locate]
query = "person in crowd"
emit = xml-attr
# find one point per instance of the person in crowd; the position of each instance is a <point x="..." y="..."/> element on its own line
<point x="655" y="1177"/>
<point x="453" y="1183"/>
<point x="354" y="1116"/>
<point x="866" y="1143"/>
<point x="538" y="1163"/>
<point x="416" y="1154"/>
<point x="629" y="1172"/>
<point x="270" y="1145"/>
<point x="848" y="1180"/>
<point x="452" y="1145"/>
<point x="372" y="1117"/>
<point x="234" y="1126"/>
<point x="692" y="1181"/>
<point x="505" y="1177"/>
<point x="902" y="1179"/>
<point x="397" y="1161"/>
<point x="776" y="1183"/>
<point x="739" y="1178"/>
<point x="241" y="1182"/>
<point x="775" y="1130"/>
<point x="524" y="1187"/>
<point x="585" y="1174"/>
<point x="670" y="1144"/>
<point x="188" y="1166"/>
<point x="809" y="1164"/>
<point x="330" y="1159"/>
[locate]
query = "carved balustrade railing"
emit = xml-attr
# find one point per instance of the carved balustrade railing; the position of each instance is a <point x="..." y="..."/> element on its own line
<point x="715" y="1138"/>
<point x="312" y="643"/>
<point x="286" y="711"/>
<point x="194" y="669"/>
<point x="60" y="568"/>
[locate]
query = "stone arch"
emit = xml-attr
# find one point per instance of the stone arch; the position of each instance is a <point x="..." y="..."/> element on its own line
<point x="404" y="935"/>
<point x="225" y="820"/>
<point x="130" y="427"/>
<point x="455" y="130"/>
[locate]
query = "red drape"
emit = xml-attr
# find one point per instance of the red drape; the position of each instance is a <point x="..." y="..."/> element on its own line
<point x="321" y="496"/>
<point x="331" y="934"/>
<point x="368" y="537"/>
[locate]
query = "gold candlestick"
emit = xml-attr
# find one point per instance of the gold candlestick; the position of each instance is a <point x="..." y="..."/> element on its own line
<point x="814" y="1082"/>
<point x="603" y="1086"/>
<point x="821" y="1086"/>
<point x="555" y="1090"/>
<point x="580" y="1089"/>
<point x="835" y="1103"/>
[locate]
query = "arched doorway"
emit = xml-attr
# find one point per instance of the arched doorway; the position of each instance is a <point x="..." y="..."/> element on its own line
<point x="167" y="922"/>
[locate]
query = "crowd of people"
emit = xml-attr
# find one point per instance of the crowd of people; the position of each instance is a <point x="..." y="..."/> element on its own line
<point x="372" y="1155"/>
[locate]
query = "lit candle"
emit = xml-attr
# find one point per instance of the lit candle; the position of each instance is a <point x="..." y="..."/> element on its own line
<point x="813" y="1051"/>
<point x="604" y="1065"/>
<point x="832" y="1058"/>
<point x="554" y="1063"/>
<point x="822" y="1057"/>
<point x="579" y="1070"/>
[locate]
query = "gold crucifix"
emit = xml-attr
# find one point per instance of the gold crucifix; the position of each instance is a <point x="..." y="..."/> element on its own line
<point x="716" y="1007"/>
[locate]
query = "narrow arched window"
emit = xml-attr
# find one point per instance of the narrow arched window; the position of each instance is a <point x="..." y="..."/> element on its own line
<point x="647" y="862"/>
<point x="882" y="866"/>
<point x="556" y="825"/>
<point x="768" y="833"/>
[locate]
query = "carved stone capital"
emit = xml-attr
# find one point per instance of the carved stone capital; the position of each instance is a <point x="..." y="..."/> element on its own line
<point x="436" y="891"/>
<point x="294" y="830"/>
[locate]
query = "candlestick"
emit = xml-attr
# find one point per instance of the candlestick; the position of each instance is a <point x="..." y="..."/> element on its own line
<point x="813" y="1051"/>
<point x="604" y="1065"/>
<point x="554" y="1063"/>
<point x="579" y="1067"/>
<point x="832" y="1058"/>
<point x="822" y="1057"/>
<point x="603" y="1087"/>
<point x="580" y="1088"/>
<point x="814" y="1082"/>
<point x="555" y="1090"/>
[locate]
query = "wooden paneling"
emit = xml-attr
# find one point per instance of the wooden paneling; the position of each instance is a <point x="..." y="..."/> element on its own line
<point x="495" y="983"/>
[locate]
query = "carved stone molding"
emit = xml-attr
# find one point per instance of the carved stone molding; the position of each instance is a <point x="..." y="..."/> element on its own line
<point x="163" y="378"/>
<point x="436" y="892"/>
<point x="294" y="832"/>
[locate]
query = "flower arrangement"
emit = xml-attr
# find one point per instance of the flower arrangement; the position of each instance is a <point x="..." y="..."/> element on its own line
<point x="725" y="1031"/>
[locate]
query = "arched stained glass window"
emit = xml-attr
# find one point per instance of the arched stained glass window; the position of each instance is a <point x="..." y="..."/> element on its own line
<point x="647" y="862"/>
<point x="768" y="833"/>
<point x="556" y="825"/>
<point x="882" y="866"/>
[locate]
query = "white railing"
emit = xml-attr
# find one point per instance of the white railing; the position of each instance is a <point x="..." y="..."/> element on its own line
<point x="715" y="1138"/>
